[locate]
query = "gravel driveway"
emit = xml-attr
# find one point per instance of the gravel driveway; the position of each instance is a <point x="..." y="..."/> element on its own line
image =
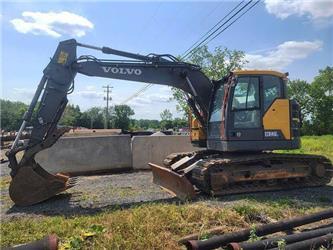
<point x="93" y="194"/>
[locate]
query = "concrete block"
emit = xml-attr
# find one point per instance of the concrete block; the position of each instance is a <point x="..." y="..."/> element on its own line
<point x="85" y="154"/>
<point x="155" y="148"/>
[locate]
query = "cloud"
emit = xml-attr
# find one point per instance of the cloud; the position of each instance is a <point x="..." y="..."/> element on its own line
<point x="160" y="95"/>
<point x="283" y="55"/>
<point x="54" y="24"/>
<point x="152" y="99"/>
<point x="25" y="93"/>
<point x="314" y="9"/>
<point x="90" y="92"/>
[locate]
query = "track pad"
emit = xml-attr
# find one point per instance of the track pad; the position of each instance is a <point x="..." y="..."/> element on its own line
<point x="33" y="184"/>
<point x="173" y="182"/>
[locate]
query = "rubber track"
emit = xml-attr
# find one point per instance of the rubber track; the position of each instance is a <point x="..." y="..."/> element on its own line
<point x="215" y="163"/>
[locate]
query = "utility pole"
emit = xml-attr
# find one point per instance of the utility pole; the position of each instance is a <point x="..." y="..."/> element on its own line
<point x="107" y="99"/>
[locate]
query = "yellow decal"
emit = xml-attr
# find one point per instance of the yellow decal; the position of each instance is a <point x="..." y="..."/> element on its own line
<point x="197" y="131"/>
<point x="277" y="117"/>
<point x="62" y="59"/>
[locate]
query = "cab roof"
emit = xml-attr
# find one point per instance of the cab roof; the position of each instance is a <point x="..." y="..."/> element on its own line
<point x="260" y="72"/>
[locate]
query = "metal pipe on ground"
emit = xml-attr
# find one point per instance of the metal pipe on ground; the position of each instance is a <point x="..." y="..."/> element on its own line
<point x="325" y="241"/>
<point x="273" y="242"/>
<point x="49" y="242"/>
<point x="212" y="231"/>
<point x="261" y="230"/>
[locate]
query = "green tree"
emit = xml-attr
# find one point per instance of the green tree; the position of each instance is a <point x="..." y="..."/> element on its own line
<point x="166" y="115"/>
<point x="147" y="124"/>
<point x="71" y="116"/>
<point x="153" y="124"/>
<point x="180" y="123"/>
<point x="166" y="119"/>
<point x="321" y="92"/>
<point x="92" y="118"/>
<point x="316" y="102"/>
<point x="12" y="114"/>
<point x="120" y="116"/>
<point x="218" y="63"/>
<point x="215" y="65"/>
<point x="299" y="90"/>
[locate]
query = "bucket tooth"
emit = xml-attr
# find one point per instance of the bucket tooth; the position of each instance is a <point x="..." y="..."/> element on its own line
<point x="33" y="184"/>
<point x="173" y="182"/>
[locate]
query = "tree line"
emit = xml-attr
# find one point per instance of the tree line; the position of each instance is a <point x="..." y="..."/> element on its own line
<point x="316" y="102"/>
<point x="119" y="116"/>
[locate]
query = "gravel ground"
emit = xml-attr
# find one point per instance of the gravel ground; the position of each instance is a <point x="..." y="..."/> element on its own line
<point x="93" y="194"/>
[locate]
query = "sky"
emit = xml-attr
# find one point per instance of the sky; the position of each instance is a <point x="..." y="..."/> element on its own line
<point x="290" y="36"/>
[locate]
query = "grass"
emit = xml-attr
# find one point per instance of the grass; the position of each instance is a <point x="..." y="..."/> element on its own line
<point x="321" y="145"/>
<point x="4" y="182"/>
<point x="159" y="226"/>
<point x="150" y="226"/>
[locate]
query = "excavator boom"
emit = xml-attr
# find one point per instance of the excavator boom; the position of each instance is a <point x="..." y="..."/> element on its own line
<point x="30" y="182"/>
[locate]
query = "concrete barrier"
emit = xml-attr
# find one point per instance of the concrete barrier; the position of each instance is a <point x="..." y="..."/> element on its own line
<point x="155" y="148"/>
<point x="85" y="154"/>
<point x="110" y="153"/>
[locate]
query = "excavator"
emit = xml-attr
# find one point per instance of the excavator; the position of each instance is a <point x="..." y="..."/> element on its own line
<point x="237" y="122"/>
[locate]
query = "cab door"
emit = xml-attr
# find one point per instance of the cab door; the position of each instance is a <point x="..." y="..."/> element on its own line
<point x="245" y="120"/>
<point x="275" y="109"/>
<point x="215" y="119"/>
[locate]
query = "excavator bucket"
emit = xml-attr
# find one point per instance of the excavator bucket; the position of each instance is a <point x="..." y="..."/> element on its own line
<point x="172" y="182"/>
<point x="33" y="184"/>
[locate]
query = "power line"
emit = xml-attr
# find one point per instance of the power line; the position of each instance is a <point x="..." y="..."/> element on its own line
<point x="233" y="21"/>
<point x="216" y="30"/>
<point x="190" y="48"/>
<point x="143" y="89"/>
<point x="215" y="8"/>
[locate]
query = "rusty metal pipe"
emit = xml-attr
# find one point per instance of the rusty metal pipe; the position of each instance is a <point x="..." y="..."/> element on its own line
<point x="326" y="241"/>
<point x="222" y="240"/>
<point x="273" y="242"/>
<point x="212" y="231"/>
<point x="49" y="242"/>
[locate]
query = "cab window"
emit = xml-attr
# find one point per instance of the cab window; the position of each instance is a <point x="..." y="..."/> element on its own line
<point x="246" y="94"/>
<point x="246" y="103"/>
<point x="216" y="114"/>
<point x="272" y="89"/>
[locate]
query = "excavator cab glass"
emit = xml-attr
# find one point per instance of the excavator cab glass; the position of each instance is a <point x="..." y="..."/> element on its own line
<point x="246" y="103"/>
<point x="272" y="89"/>
<point x="216" y="112"/>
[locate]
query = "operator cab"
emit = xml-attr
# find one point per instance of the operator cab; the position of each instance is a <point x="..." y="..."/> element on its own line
<point x="250" y="111"/>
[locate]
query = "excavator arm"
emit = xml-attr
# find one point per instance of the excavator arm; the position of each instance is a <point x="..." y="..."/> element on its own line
<point x="30" y="182"/>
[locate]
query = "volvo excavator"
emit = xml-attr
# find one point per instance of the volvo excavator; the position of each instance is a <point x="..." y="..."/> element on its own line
<point x="237" y="123"/>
